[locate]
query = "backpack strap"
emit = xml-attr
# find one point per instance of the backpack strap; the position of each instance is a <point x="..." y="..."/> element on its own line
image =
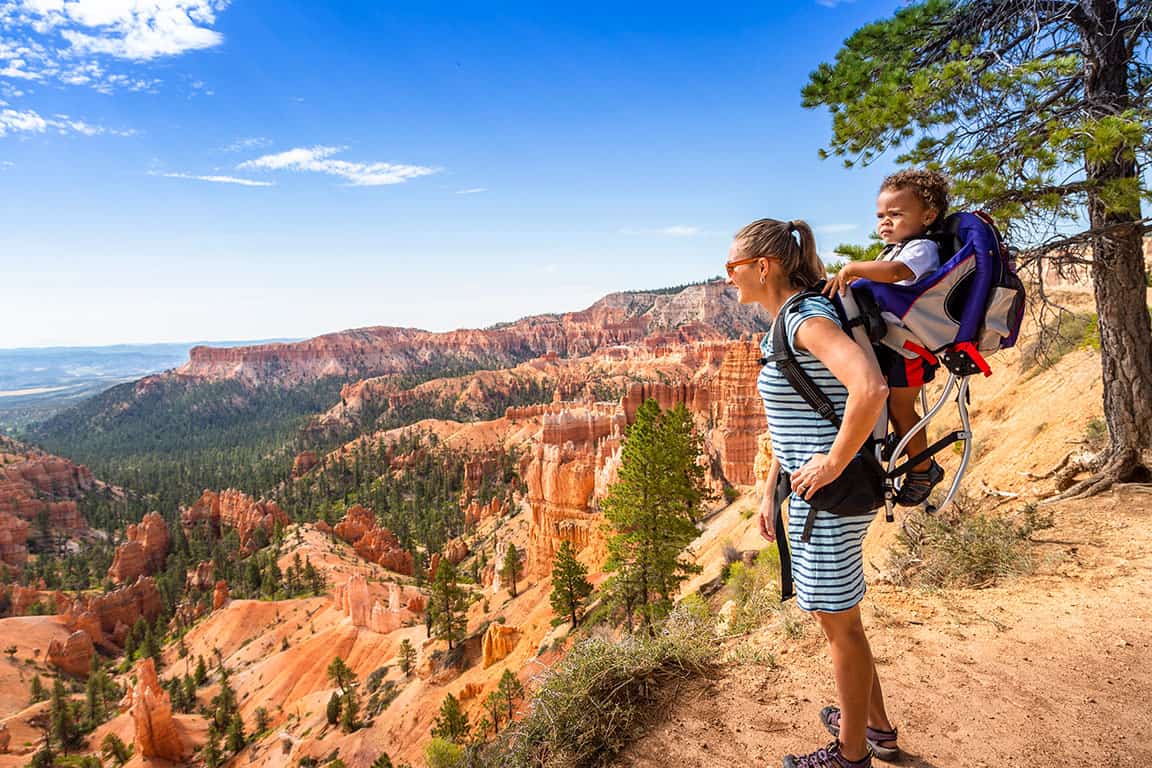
<point x="785" y="360"/>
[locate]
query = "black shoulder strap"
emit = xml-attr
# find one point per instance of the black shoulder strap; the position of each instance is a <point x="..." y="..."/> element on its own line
<point x="786" y="362"/>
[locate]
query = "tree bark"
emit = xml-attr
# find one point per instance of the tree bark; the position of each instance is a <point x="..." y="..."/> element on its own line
<point x="1119" y="275"/>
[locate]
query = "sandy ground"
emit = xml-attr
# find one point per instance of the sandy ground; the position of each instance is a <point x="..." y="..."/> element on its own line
<point x="1046" y="670"/>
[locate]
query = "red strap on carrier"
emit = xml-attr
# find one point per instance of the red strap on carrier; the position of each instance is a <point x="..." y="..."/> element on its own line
<point x="924" y="353"/>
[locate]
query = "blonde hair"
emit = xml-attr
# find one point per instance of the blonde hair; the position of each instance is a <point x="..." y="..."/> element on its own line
<point x="791" y="242"/>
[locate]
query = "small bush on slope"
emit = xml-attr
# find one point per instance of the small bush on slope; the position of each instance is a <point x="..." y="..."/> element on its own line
<point x="596" y="700"/>
<point x="962" y="548"/>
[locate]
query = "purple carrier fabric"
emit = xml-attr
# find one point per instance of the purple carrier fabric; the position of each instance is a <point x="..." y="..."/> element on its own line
<point x="975" y="295"/>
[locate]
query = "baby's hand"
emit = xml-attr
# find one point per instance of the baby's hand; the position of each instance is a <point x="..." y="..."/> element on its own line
<point x="838" y="283"/>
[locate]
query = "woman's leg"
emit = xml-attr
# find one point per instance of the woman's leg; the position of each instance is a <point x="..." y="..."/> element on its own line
<point x="877" y="714"/>
<point x="854" y="671"/>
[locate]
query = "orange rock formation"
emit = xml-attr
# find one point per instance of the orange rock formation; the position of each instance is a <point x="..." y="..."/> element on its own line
<point x="374" y="544"/>
<point x="237" y="510"/>
<point x="499" y="641"/>
<point x="367" y="610"/>
<point x="35" y="484"/>
<point x="151" y="709"/>
<point x="74" y="656"/>
<point x="144" y="551"/>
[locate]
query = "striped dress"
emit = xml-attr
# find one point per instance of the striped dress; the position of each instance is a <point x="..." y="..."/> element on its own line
<point x="829" y="569"/>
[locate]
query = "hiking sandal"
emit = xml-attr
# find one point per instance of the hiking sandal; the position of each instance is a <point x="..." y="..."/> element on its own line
<point x="918" y="485"/>
<point x="883" y="743"/>
<point x="828" y="757"/>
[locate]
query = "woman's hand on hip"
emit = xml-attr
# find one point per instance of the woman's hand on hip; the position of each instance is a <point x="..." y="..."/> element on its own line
<point x="816" y="473"/>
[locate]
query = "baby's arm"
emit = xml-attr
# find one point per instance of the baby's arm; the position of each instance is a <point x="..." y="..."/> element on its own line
<point x="876" y="271"/>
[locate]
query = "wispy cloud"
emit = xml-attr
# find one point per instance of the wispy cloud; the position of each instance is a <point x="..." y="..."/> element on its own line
<point x="248" y="142"/>
<point x="833" y="3"/>
<point x="472" y="191"/>
<point x="319" y="160"/>
<point x="29" y="121"/>
<point x="218" y="179"/>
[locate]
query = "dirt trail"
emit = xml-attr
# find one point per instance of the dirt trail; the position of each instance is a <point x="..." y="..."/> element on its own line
<point x="1048" y="670"/>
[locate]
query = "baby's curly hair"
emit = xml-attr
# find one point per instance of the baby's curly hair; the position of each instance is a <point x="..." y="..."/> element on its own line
<point x="930" y="186"/>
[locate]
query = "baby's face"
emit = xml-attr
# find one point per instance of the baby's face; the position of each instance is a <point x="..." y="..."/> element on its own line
<point x="900" y="214"/>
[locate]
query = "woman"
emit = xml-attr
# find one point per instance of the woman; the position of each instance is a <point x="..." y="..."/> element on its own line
<point x="769" y="263"/>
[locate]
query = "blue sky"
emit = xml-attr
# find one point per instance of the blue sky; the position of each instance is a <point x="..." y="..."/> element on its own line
<point x="190" y="169"/>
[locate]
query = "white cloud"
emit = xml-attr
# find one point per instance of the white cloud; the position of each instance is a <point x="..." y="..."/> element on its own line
<point x="29" y="121"/>
<point x="219" y="179"/>
<point x="68" y="40"/>
<point x="247" y="142"/>
<point x="472" y="191"/>
<point x="319" y="160"/>
<point x="833" y="3"/>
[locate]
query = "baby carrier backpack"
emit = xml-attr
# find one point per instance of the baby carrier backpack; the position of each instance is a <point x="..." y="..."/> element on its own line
<point x="970" y="307"/>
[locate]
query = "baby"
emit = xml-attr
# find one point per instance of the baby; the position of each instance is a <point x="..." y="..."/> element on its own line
<point x="909" y="204"/>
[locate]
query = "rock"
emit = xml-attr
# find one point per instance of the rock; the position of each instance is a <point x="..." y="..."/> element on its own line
<point x="233" y="509"/>
<point x="129" y="563"/>
<point x="201" y="578"/>
<point x="35" y="485"/>
<point x="499" y="641"/>
<point x="74" y="655"/>
<point x="5" y="738"/>
<point x="470" y="691"/>
<point x="374" y="544"/>
<point x="115" y="611"/>
<point x="707" y="312"/>
<point x="303" y="463"/>
<point x="220" y="595"/>
<point x="455" y="551"/>
<point x="151" y="710"/>
<point x="356" y="600"/>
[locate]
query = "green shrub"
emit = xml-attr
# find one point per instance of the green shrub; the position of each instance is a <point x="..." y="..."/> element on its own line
<point x="441" y="753"/>
<point x="1070" y="331"/>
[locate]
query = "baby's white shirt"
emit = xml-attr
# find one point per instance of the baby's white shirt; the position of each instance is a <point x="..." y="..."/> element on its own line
<point x="920" y="256"/>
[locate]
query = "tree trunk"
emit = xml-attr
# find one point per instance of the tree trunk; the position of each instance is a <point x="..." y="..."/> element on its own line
<point x="1119" y="276"/>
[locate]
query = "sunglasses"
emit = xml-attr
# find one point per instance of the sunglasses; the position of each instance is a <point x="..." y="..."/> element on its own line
<point x="731" y="266"/>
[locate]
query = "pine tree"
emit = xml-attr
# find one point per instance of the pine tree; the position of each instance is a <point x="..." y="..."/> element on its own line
<point x="262" y="720"/>
<point x="494" y="703"/>
<point x="201" y="671"/>
<point x="511" y="690"/>
<point x="210" y="753"/>
<point x="406" y="656"/>
<point x="333" y="710"/>
<point x="451" y="724"/>
<point x="235" y="738"/>
<point x="62" y="718"/>
<point x="37" y="689"/>
<point x="447" y="605"/>
<point x="570" y="585"/>
<point x="1039" y="110"/>
<point x="383" y="761"/>
<point x="511" y="567"/>
<point x="654" y="505"/>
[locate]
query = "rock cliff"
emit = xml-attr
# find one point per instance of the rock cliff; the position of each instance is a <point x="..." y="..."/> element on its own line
<point x="374" y="544"/>
<point x="233" y="509"/>
<point x="37" y="486"/>
<point x="144" y="551"/>
<point x="696" y="313"/>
